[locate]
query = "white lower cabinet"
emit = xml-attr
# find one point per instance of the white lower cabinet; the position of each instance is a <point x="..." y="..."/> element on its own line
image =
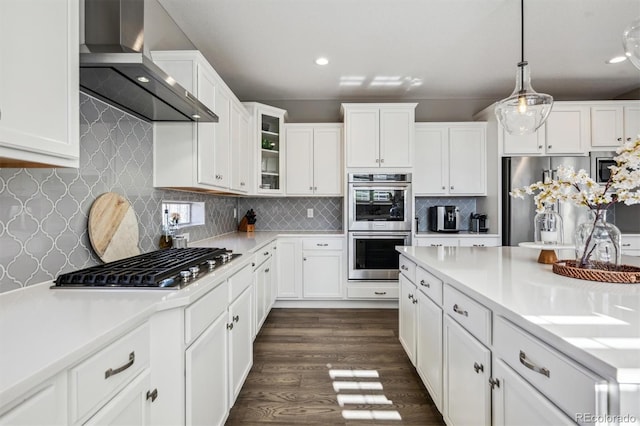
<point x="322" y="268"/>
<point x="289" y="281"/>
<point x="130" y="407"/>
<point x="467" y="369"/>
<point x="240" y="343"/>
<point x="262" y="291"/>
<point x="517" y="403"/>
<point x="47" y="404"/>
<point x="206" y="376"/>
<point x="407" y="320"/>
<point x="429" y="346"/>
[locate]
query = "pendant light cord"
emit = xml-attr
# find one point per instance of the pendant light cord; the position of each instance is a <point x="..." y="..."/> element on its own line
<point x="522" y="62"/>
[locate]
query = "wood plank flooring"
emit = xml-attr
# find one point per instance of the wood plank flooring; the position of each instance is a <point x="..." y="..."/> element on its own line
<point x="290" y="382"/>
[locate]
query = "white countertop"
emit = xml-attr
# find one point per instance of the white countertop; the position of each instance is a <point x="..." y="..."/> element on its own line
<point x="597" y="324"/>
<point x="44" y="331"/>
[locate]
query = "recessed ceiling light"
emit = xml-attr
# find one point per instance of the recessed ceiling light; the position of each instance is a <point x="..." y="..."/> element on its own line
<point x="616" y="60"/>
<point x="322" y="61"/>
<point x="143" y="79"/>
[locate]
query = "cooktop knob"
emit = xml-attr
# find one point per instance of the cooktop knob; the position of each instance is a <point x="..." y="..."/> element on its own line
<point x="194" y="271"/>
<point x="211" y="263"/>
<point x="185" y="275"/>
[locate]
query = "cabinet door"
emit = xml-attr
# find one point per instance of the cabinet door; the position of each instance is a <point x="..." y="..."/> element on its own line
<point x="271" y="151"/>
<point x="322" y="273"/>
<point x="131" y="406"/>
<point x="429" y="177"/>
<point x="222" y="139"/>
<point x="39" y="103"/>
<point x="530" y="144"/>
<point x="47" y="406"/>
<point x="517" y="403"/>
<point x="566" y="128"/>
<point x="206" y="376"/>
<point x="240" y="343"/>
<point x="362" y="128"/>
<point x="239" y="149"/>
<point x="289" y="271"/>
<point x="299" y="160"/>
<point x="606" y="126"/>
<point x="327" y="161"/>
<point x="263" y="293"/>
<point x="407" y="319"/>
<point x="467" y="161"/>
<point x="429" y="346"/>
<point x="206" y="131"/>
<point x="631" y="123"/>
<point x="467" y="369"/>
<point x="396" y="137"/>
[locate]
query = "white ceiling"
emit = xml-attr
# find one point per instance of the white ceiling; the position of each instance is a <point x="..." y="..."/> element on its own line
<point x="440" y="49"/>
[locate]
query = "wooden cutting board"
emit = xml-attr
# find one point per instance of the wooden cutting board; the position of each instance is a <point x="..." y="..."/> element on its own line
<point x="113" y="227"/>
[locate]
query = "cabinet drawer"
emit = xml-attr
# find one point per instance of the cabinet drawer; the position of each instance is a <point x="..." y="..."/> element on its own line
<point x="437" y="242"/>
<point x="239" y="281"/>
<point x="372" y="292"/>
<point x="198" y="316"/>
<point x="262" y="254"/>
<point x="96" y="379"/>
<point x="408" y="268"/>
<point x="479" y="242"/>
<point x="322" y="244"/>
<point x="567" y="384"/>
<point x="469" y="313"/>
<point x="429" y="284"/>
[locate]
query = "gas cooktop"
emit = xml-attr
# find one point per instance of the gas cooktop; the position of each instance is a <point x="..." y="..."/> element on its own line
<point x="162" y="269"/>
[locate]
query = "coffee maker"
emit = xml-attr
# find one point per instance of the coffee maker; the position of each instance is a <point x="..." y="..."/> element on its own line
<point x="478" y="223"/>
<point x="444" y="219"/>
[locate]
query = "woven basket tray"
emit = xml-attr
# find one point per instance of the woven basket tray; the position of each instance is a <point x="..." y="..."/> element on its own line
<point x="624" y="274"/>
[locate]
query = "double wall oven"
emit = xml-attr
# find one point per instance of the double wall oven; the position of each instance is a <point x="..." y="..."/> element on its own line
<point x="379" y="219"/>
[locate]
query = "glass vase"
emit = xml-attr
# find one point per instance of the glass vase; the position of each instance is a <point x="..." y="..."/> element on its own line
<point x="598" y="243"/>
<point x="548" y="227"/>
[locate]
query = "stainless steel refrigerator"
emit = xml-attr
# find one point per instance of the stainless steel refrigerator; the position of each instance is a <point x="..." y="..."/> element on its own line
<point x="518" y="215"/>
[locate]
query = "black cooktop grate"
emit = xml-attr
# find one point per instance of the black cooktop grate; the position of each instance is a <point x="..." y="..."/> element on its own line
<point x="145" y="270"/>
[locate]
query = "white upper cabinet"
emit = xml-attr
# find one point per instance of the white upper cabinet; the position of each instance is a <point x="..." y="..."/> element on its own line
<point x="314" y="159"/>
<point x="450" y="159"/>
<point x="379" y="135"/>
<point x="566" y="132"/>
<point x="239" y="148"/>
<point x="198" y="155"/>
<point x="614" y="123"/>
<point x="268" y="145"/>
<point x="39" y="119"/>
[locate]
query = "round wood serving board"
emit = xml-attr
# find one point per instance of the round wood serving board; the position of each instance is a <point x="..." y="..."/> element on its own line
<point x="113" y="227"/>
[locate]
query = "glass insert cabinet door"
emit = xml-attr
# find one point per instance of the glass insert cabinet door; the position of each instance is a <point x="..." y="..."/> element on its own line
<point x="270" y="148"/>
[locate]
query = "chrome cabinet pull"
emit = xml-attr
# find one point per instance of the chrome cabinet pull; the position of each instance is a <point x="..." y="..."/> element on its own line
<point x="458" y="310"/>
<point x="236" y="318"/>
<point x="444" y="187"/>
<point x="410" y="296"/>
<point x="549" y="146"/>
<point x="531" y="366"/>
<point x="494" y="383"/>
<point x="619" y="139"/>
<point x="382" y="160"/>
<point x="415" y="301"/>
<point x="404" y="268"/>
<point x="266" y="270"/>
<point x="478" y="367"/>
<point x="380" y="293"/>
<point x="266" y="253"/>
<point x="253" y="263"/>
<point x="230" y="326"/>
<point x="112" y="372"/>
<point x="152" y="395"/>
<point x="626" y="244"/>
<point x="322" y="245"/>
<point x="425" y="284"/>
<point x="310" y="188"/>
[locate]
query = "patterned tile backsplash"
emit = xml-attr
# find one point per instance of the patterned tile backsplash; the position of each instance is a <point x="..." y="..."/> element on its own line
<point x="44" y="212"/>
<point x="290" y="214"/>
<point x="465" y="204"/>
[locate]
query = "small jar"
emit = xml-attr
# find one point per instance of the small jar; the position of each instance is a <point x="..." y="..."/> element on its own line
<point x="548" y="227"/>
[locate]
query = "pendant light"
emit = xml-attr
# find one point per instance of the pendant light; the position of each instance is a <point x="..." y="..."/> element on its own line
<point x="631" y="42"/>
<point x="525" y="110"/>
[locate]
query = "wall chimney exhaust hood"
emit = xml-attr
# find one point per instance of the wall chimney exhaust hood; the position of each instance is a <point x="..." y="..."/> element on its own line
<point x="114" y="68"/>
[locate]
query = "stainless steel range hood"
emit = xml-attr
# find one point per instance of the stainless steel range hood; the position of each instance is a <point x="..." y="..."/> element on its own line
<point x="114" y="68"/>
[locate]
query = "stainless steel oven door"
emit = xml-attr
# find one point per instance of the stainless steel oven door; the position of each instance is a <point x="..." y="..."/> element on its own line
<point x="379" y="206"/>
<point x="373" y="255"/>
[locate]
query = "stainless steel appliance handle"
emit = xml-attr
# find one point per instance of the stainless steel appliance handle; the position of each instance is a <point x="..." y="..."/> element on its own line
<point x="380" y="185"/>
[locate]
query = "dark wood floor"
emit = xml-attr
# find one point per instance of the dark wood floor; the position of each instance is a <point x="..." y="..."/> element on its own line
<point x="296" y="349"/>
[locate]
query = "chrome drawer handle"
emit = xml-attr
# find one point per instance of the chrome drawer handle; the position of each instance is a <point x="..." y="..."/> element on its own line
<point x="410" y="296"/>
<point x="322" y="245"/>
<point x="112" y="372"/>
<point x="415" y="301"/>
<point x="425" y="284"/>
<point x="494" y="383"/>
<point x="380" y="293"/>
<point x="236" y="318"/>
<point x="458" y="310"/>
<point x="532" y="366"/>
<point x="266" y="270"/>
<point x="478" y="367"/>
<point x="626" y="245"/>
<point x="152" y="395"/>
<point x="230" y="326"/>
<point x="266" y="253"/>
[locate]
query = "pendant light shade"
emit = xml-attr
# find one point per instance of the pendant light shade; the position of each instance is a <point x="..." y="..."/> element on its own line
<point x="631" y="42"/>
<point x="525" y="110"/>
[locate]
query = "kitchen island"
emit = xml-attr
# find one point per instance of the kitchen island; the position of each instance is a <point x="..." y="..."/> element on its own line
<point x="504" y="300"/>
